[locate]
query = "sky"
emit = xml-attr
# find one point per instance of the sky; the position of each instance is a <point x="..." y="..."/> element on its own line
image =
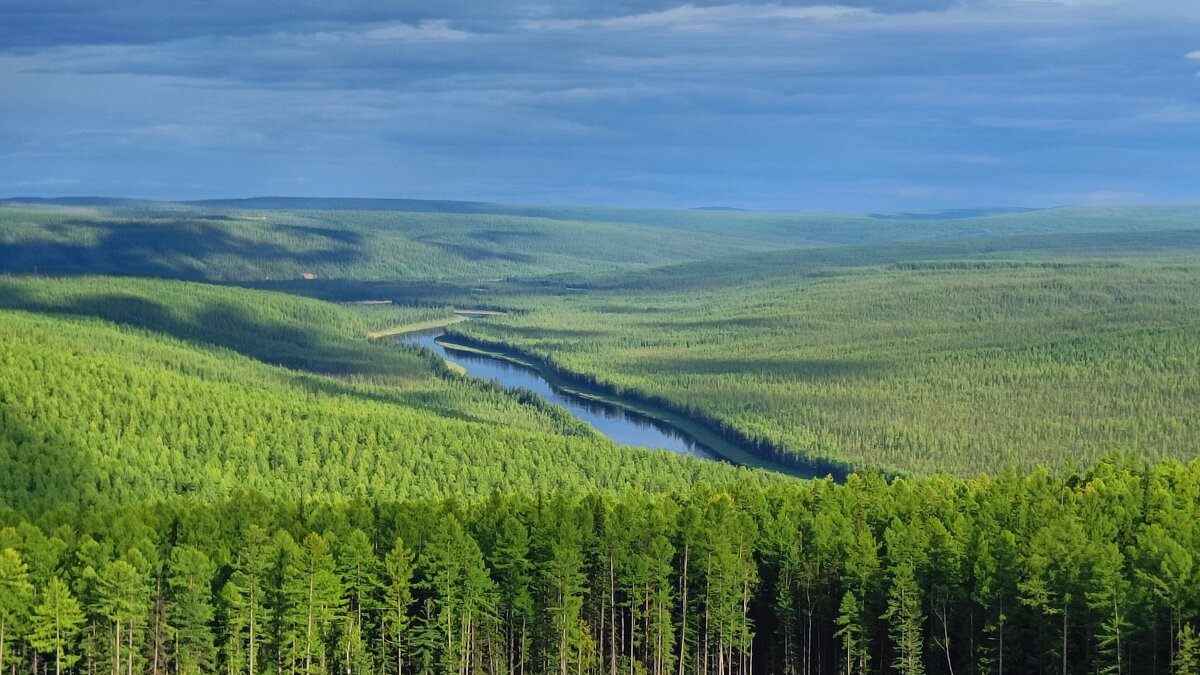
<point x="857" y="105"/>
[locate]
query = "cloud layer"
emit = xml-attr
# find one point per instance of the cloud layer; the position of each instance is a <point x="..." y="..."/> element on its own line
<point x="851" y="105"/>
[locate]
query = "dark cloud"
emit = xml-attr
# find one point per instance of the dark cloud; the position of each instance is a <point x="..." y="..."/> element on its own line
<point x="824" y="105"/>
<point x="39" y="23"/>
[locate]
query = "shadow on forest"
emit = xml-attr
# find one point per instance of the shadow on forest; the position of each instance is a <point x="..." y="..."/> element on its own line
<point x="218" y="324"/>
<point x="417" y="293"/>
<point x="177" y="250"/>
<point x="809" y="369"/>
<point x="534" y="332"/>
<point x="713" y="324"/>
<point x="42" y="465"/>
<point x="471" y="252"/>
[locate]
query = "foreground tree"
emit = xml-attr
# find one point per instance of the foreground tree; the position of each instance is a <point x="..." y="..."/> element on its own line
<point x="1054" y="568"/>
<point x="56" y="623"/>
<point x="191" y="610"/>
<point x="16" y="597"/>
<point x="123" y="600"/>
<point x="397" y="601"/>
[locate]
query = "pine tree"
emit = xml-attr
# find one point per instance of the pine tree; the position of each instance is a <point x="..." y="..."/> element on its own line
<point x="1166" y="567"/>
<point x="905" y="600"/>
<point x="1108" y="595"/>
<point x="1054" y="568"/>
<point x="358" y="566"/>
<point x="190" y="584"/>
<point x="314" y="595"/>
<point x="1187" y="654"/>
<point x="398" y="598"/>
<point x="244" y="597"/>
<point x="514" y="580"/>
<point x="56" y="622"/>
<point x="906" y="618"/>
<point x="996" y="573"/>
<point x="455" y="573"/>
<point x="564" y="582"/>
<point x="123" y="599"/>
<point x="852" y="632"/>
<point x="861" y="565"/>
<point x="16" y="597"/>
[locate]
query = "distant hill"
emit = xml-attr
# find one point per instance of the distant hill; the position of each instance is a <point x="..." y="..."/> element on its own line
<point x="477" y="244"/>
<point x="950" y="214"/>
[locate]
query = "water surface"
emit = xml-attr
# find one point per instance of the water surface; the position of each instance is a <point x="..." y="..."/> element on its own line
<point x="620" y="425"/>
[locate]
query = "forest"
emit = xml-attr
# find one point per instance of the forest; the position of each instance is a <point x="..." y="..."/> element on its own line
<point x="198" y="475"/>
<point x="911" y="367"/>
<point x="1015" y="573"/>
<point x="95" y="412"/>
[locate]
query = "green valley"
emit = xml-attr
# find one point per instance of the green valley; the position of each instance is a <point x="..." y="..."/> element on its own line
<point x="222" y="452"/>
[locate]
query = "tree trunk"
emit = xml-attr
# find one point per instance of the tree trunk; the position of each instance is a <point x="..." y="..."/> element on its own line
<point x="1001" y="636"/>
<point x="612" y="617"/>
<point x="1064" y="642"/>
<point x="57" y="647"/>
<point x="946" y="636"/>
<point x="158" y="628"/>
<point x="808" y="614"/>
<point x="252" y="584"/>
<point x="1117" y="627"/>
<point x="683" y="624"/>
<point x="309" y="629"/>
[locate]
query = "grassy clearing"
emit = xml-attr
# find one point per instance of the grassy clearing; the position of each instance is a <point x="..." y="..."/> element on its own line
<point x="430" y="324"/>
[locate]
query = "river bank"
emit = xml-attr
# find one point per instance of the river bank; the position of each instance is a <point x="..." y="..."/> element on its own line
<point x="727" y="444"/>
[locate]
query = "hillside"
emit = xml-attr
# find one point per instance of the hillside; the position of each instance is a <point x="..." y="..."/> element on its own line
<point x="1026" y="355"/>
<point x="95" y="412"/>
<point x="189" y="242"/>
<point x="203" y="478"/>
<point x="471" y="244"/>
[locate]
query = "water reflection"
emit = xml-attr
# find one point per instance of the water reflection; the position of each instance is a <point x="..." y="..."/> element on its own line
<point x="620" y="425"/>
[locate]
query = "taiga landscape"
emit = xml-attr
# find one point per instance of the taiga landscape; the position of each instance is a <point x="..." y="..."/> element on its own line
<point x="621" y="383"/>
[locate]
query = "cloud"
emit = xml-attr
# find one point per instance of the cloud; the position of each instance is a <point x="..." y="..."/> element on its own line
<point x="424" y="31"/>
<point x="693" y="17"/>
<point x="851" y="104"/>
<point x="1195" y="56"/>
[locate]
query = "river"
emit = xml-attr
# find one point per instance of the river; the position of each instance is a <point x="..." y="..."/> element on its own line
<point x="622" y="426"/>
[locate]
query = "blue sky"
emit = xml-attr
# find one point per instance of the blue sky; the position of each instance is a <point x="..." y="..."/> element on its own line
<point x="852" y="106"/>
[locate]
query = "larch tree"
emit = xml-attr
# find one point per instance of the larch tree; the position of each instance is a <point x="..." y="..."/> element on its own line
<point x="56" y="623"/>
<point x="16" y="598"/>
<point x="397" y="601"/>
<point x="1053" y="573"/>
<point x="189" y="580"/>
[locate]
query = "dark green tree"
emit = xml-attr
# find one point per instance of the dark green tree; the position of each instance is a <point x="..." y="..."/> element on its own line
<point x="189" y="580"/>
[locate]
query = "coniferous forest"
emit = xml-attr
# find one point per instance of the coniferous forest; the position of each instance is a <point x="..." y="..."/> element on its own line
<point x="1034" y="573"/>
<point x="207" y="467"/>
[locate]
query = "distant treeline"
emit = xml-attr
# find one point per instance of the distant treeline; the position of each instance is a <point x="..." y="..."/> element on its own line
<point x="1011" y="574"/>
